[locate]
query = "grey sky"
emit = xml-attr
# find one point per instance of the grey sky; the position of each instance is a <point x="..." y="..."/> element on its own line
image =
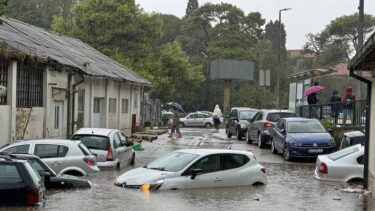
<point x="306" y="15"/>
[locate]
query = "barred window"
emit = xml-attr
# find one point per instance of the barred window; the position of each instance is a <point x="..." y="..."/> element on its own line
<point x="29" y="85"/>
<point x="3" y="81"/>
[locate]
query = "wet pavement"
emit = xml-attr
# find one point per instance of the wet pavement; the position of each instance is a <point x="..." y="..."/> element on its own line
<point x="291" y="185"/>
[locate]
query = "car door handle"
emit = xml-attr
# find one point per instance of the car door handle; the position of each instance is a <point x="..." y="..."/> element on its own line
<point x="217" y="180"/>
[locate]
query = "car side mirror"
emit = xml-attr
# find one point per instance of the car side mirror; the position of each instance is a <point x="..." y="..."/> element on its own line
<point x="128" y="144"/>
<point x="196" y="172"/>
<point x="46" y="176"/>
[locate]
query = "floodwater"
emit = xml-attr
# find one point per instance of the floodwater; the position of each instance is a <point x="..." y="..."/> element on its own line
<point x="291" y="185"/>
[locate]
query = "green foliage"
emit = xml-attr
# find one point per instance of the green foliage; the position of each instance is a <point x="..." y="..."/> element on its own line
<point x="3" y="4"/>
<point x="170" y="29"/>
<point x="253" y="96"/>
<point x="191" y="6"/>
<point x="272" y="34"/>
<point x="327" y="124"/>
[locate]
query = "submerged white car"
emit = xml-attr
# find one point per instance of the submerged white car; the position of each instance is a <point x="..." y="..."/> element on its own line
<point x="196" y="168"/>
<point x="342" y="166"/>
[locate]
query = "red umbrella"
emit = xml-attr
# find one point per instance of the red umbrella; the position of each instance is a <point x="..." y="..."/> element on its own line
<point x="313" y="89"/>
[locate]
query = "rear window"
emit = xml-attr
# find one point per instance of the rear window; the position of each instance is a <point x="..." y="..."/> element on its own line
<point x="93" y="141"/>
<point x="9" y="174"/>
<point x="84" y="150"/>
<point x="274" y="117"/>
<point x="342" y="153"/>
<point x="232" y="161"/>
<point x="33" y="173"/>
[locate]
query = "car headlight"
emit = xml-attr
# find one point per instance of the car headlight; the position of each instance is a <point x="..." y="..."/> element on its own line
<point x="243" y="126"/>
<point x="294" y="144"/>
<point x="154" y="185"/>
<point x="332" y="142"/>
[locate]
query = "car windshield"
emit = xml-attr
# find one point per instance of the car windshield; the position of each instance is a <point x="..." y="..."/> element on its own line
<point x="274" y="117"/>
<point x="247" y="115"/>
<point x="93" y="141"/>
<point x="342" y="153"/>
<point x="305" y="127"/>
<point x="174" y="161"/>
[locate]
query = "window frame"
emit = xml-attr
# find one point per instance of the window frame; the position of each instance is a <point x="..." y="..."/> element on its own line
<point x="29" y="86"/>
<point x="124" y="105"/>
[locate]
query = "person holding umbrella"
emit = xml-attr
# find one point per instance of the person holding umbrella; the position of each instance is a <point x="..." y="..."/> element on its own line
<point x="313" y="99"/>
<point x="175" y="107"/>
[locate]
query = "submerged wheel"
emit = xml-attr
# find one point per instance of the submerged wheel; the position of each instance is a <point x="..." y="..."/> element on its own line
<point x="208" y="125"/>
<point x="286" y="153"/>
<point x="260" y="143"/>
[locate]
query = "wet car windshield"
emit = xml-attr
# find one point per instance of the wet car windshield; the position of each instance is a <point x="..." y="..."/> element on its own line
<point x="174" y="161"/>
<point x="305" y="127"/>
<point x="247" y="115"/>
<point x="93" y="141"/>
<point x="342" y="153"/>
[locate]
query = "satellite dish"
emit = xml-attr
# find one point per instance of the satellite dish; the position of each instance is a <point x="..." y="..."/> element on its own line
<point x="3" y="91"/>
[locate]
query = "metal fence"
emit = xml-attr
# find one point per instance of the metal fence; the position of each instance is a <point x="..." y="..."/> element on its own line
<point x="341" y="113"/>
<point x="151" y="112"/>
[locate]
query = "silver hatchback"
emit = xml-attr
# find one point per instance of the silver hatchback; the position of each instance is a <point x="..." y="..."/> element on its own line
<point x="111" y="147"/>
<point x="63" y="156"/>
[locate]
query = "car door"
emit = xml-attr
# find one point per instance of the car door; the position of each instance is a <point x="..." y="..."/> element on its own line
<point x="211" y="175"/>
<point x="127" y="149"/>
<point x="118" y="149"/>
<point x="279" y="136"/>
<point x="255" y="126"/>
<point x="233" y="172"/>
<point x="189" y="120"/>
<point x="202" y="119"/>
<point x="54" y="155"/>
<point x="233" y="118"/>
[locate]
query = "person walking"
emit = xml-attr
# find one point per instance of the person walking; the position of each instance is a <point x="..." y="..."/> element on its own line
<point x="335" y="101"/>
<point x="175" y="124"/>
<point x="217" y="114"/>
<point x="312" y="100"/>
<point x="348" y="104"/>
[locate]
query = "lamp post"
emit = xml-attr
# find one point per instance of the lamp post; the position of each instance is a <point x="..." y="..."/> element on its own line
<point x="279" y="60"/>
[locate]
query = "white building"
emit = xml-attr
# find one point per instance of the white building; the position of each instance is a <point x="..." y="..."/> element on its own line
<point x="55" y="84"/>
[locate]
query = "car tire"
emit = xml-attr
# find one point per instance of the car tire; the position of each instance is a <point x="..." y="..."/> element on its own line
<point x="238" y="134"/>
<point x="229" y="135"/>
<point x="286" y="153"/>
<point x="260" y="142"/>
<point x="132" y="161"/>
<point x="208" y="125"/>
<point x="248" y="139"/>
<point x="273" y="148"/>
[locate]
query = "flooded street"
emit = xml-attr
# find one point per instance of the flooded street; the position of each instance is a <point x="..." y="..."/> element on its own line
<point x="291" y="185"/>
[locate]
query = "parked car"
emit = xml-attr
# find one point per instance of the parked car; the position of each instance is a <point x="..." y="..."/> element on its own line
<point x="343" y="166"/>
<point x="238" y="120"/>
<point x="20" y="184"/>
<point x="197" y="119"/>
<point x="196" y="168"/>
<point x="300" y="137"/>
<point x="51" y="179"/>
<point x="260" y="126"/>
<point x="352" y="138"/>
<point x="209" y="113"/>
<point x="63" y="156"/>
<point x="111" y="146"/>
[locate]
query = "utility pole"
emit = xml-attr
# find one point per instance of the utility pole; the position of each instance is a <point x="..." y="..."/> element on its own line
<point x="279" y="61"/>
<point x="358" y="88"/>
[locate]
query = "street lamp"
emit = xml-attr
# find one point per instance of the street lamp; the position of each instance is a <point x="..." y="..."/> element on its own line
<point x="279" y="60"/>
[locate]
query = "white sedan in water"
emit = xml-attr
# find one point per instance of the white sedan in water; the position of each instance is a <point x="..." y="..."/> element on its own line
<point x="342" y="166"/>
<point x="196" y="168"/>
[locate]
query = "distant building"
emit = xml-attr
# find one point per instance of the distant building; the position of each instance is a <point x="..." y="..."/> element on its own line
<point x="56" y="84"/>
<point x="300" y="53"/>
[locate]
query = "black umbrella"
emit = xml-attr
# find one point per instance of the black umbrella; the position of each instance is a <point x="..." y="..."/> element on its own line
<point x="176" y="106"/>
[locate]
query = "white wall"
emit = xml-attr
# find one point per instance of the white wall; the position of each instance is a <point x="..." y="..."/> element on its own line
<point x="4" y="124"/>
<point x="372" y="142"/>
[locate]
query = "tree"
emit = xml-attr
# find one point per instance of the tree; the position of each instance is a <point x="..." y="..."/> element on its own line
<point x="191" y="6"/>
<point x="170" y="29"/>
<point x="3" y="4"/>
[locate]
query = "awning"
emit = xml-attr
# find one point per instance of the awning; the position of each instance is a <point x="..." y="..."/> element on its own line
<point x="313" y="73"/>
<point x="365" y="58"/>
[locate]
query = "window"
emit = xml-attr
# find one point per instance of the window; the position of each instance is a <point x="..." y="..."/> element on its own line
<point x="193" y="116"/>
<point x="232" y="161"/>
<point x="81" y="108"/>
<point x="20" y="149"/>
<point x="135" y="99"/>
<point x="37" y="166"/>
<point x="247" y="115"/>
<point x="208" y="164"/>
<point x="174" y="161"/>
<point x="97" y="105"/>
<point x="125" y="106"/>
<point x="360" y="160"/>
<point x="202" y="116"/>
<point x="280" y="124"/>
<point x="3" y="81"/>
<point x="274" y="117"/>
<point x="9" y="174"/>
<point x="93" y="141"/>
<point x="29" y="85"/>
<point x="259" y="117"/>
<point x="112" y="105"/>
<point x="34" y="175"/>
<point x="50" y="150"/>
<point x="57" y="117"/>
<point x="116" y="141"/>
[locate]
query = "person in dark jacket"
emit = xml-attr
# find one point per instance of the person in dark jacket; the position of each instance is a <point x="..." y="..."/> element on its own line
<point x="335" y="101"/>
<point x="348" y="104"/>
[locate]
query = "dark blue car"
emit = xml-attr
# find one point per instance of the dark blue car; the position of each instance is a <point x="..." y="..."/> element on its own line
<point x="301" y="138"/>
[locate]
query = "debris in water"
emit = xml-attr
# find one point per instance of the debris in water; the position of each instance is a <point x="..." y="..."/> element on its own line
<point x="337" y="198"/>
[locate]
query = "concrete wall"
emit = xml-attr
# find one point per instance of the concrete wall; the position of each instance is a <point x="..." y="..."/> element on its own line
<point x="30" y="123"/>
<point x="4" y="124"/>
<point x="372" y="143"/>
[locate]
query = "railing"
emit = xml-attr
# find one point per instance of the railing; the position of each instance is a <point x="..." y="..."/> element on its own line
<point x="341" y="113"/>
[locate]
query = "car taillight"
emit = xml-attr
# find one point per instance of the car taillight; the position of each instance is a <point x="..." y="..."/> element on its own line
<point x="33" y="196"/>
<point x="323" y="168"/>
<point x="267" y="124"/>
<point x="263" y="170"/>
<point x="110" y="154"/>
<point x="89" y="161"/>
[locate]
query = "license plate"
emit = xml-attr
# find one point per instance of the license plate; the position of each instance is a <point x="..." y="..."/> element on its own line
<point x="315" y="150"/>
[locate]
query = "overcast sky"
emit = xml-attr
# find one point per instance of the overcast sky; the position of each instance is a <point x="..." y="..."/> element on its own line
<point x="306" y="15"/>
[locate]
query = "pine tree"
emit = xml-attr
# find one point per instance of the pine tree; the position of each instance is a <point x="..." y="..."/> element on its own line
<point x="191" y="6"/>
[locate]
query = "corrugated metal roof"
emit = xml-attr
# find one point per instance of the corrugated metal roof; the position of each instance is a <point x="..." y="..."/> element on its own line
<point x="21" y="37"/>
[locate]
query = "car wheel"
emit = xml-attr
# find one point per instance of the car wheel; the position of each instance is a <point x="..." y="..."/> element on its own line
<point x="260" y="143"/>
<point x="229" y="135"/>
<point x="132" y="161"/>
<point x="286" y="153"/>
<point x="248" y="139"/>
<point x="238" y="134"/>
<point x="208" y="125"/>
<point x="273" y="149"/>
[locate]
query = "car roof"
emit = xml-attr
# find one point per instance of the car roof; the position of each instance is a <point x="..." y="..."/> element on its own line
<point x="53" y="141"/>
<point x="203" y="152"/>
<point x="298" y="119"/>
<point x="354" y="134"/>
<point x="277" y="111"/>
<point x="95" y="131"/>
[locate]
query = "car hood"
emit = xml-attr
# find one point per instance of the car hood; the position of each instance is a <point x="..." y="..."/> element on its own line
<point x="140" y="176"/>
<point x="310" y="138"/>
